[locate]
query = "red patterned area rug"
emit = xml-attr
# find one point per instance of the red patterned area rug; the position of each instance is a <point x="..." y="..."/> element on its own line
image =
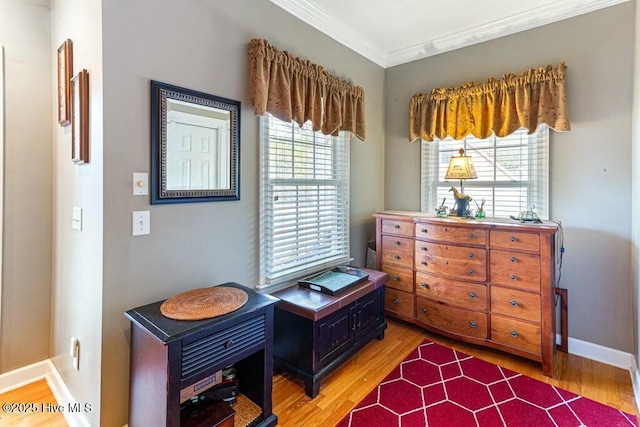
<point x="436" y="386"/>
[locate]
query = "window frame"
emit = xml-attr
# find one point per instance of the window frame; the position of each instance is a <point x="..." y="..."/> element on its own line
<point x="537" y="186"/>
<point x="340" y="171"/>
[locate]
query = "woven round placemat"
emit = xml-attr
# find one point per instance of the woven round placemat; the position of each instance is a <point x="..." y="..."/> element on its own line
<point x="204" y="303"/>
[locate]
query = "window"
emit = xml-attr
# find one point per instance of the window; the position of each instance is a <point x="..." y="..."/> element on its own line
<point x="513" y="173"/>
<point x="304" y="201"/>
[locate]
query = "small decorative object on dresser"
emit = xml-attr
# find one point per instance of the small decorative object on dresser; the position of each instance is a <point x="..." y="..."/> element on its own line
<point x="480" y="213"/>
<point x="489" y="282"/>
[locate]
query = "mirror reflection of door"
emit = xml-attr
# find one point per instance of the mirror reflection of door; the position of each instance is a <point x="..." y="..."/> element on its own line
<point x="198" y="156"/>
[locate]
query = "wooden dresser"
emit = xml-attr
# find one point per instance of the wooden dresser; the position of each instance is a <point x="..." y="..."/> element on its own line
<point x="488" y="282"/>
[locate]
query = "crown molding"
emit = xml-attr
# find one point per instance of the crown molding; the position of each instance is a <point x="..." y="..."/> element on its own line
<point x="307" y="11"/>
<point x="335" y="28"/>
<point x="503" y="27"/>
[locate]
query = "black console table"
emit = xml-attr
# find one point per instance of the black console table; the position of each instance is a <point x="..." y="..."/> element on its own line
<point x="162" y="361"/>
<point x="315" y="332"/>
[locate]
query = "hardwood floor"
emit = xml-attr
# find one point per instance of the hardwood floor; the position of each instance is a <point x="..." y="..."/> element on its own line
<point x="343" y="389"/>
<point x="39" y="402"/>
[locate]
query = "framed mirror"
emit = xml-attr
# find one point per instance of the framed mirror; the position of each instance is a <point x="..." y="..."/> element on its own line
<point x="195" y="146"/>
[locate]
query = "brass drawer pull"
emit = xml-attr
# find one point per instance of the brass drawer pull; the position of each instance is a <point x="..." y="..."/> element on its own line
<point x="514" y="303"/>
<point x="513" y="277"/>
<point x="514" y="334"/>
<point x="471" y="255"/>
<point x="471" y="271"/>
<point x="396" y="277"/>
<point x="472" y="295"/>
<point x="423" y="309"/>
<point x="513" y="238"/>
<point x="396" y="301"/>
<point x="473" y="324"/>
<point x="513" y="259"/>
<point x="446" y="262"/>
<point x="396" y="256"/>
<point x="472" y="236"/>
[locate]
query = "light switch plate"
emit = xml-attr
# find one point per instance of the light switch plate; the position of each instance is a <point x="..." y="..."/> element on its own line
<point x="140" y="184"/>
<point x="141" y="223"/>
<point x="76" y="220"/>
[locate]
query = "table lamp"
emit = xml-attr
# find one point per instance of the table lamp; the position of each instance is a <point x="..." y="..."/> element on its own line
<point x="461" y="168"/>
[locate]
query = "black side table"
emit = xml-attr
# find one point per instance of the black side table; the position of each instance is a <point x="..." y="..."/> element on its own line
<point x="169" y="355"/>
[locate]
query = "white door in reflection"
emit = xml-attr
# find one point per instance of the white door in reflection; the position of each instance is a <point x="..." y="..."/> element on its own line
<point x="197" y="152"/>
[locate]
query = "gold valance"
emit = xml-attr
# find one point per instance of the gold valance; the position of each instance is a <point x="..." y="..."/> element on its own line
<point x="291" y="88"/>
<point x="498" y="106"/>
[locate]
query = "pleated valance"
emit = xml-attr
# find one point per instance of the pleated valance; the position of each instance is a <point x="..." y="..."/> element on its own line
<point x="498" y="106"/>
<point x="291" y="88"/>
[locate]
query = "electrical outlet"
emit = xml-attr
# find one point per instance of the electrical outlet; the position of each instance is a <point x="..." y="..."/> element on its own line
<point x="76" y="219"/>
<point x="140" y="223"/>
<point x="74" y="352"/>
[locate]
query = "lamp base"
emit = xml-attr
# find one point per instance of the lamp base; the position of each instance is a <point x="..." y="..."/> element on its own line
<point x="462" y="208"/>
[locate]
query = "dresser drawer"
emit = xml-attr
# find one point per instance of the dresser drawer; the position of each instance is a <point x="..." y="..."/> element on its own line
<point x="452" y="261"/>
<point x="517" y="334"/>
<point x="397" y="250"/>
<point x="399" y="278"/>
<point x="451" y="319"/>
<point x="204" y="353"/>
<point x="398" y="302"/>
<point x="516" y="240"/>
<point x="515" y="269"/>
<point x="397" y="227"/>
<point x="520" y="304"/>
<point x="447" y="233"/>
<point x="452" y="292"/>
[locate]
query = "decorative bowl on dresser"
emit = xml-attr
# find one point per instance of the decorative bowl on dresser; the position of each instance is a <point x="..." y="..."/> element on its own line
<point x="489" y="282"/>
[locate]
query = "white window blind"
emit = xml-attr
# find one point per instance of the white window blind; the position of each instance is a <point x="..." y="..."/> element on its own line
<point x="513" y="173"/>
<point x="304" y="201"/>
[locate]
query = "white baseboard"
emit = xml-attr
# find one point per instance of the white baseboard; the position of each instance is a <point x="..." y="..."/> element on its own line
<point x="599" y="353"/>
<point x="609" y="356"/>
<point x="47" y="370"/>
<point x="25" y="375"/>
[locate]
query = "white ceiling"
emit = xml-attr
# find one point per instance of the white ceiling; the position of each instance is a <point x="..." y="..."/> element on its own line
<point x="393" y="32"/>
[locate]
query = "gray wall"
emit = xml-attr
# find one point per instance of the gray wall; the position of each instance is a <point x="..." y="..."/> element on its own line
<point x="590" y="165"/>
<point x="77" y="268"/>
<point x="201" y="244"/>
<point x="636" y="197"/>
<point x="26" y="280"/>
